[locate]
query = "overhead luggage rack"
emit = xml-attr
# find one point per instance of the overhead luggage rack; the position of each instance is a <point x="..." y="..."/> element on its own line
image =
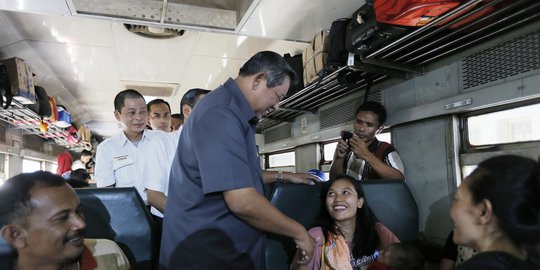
<point x="309" y="99"/>
<point x="20" y="117"/>
<point x="469" y="24"/>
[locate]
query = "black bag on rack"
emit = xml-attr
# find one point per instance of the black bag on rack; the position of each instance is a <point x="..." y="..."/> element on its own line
<point x="337" y="51"/>
<point x="364" y="33"/>
<point x="42" y="106"/>
<point x="5" y="88"/>
<point x="296" y="64"/>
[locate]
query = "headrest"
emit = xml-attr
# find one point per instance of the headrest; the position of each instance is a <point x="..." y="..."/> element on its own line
<point x="299" y="202"/>
<point x="7" y="255"/>
<point x="394" y="206"/>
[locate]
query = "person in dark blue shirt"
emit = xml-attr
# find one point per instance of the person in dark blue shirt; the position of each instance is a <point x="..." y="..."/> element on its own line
<point x="216" y="211"/>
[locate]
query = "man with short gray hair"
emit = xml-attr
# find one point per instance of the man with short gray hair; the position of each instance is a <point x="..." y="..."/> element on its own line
<point x="216" y="210"/>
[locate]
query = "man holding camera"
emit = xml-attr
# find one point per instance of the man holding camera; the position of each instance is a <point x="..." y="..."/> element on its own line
<point x="360" y="154"/>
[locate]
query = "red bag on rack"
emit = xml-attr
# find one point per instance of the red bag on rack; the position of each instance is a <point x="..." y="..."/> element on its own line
<point x="411" y="12"/>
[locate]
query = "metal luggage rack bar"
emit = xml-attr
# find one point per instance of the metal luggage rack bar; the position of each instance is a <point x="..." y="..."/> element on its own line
<point x="436" y="40"/>
<point x="18" y="116"/>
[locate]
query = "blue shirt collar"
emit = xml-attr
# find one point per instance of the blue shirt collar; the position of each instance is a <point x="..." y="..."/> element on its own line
<point x="247" y="113"/>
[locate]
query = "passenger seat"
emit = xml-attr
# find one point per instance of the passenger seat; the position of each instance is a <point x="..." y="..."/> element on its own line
<point x="119" y="214"/>
<point x="7" y="255"/>
<point x="299" y="202"/>
<point x="390" y="200"/>
<point x="394" y="206"/>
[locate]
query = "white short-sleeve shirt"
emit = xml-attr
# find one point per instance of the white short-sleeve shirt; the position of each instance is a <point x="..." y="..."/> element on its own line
<point x="161" y="183"/>
<point x="119" y="162"/>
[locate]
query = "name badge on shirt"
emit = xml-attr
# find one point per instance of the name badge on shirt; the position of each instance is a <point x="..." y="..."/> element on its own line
<point x="121" y="161"/>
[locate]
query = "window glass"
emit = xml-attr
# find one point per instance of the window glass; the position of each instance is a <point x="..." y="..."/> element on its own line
<point x="29" y="165"/>
<point x="465" y="171"/>
<point x="385" y="137"/>
<point x="54" y="166"/>
<point x="281" y="159"/>
<point x="329" y="149"/>
<point x="508" y="126"/>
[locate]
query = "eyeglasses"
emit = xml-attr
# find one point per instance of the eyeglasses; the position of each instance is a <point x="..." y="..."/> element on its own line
<point x="280" y="97"/>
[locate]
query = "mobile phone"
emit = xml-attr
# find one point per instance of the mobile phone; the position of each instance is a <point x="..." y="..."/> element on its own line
<point x="346" y="135"/>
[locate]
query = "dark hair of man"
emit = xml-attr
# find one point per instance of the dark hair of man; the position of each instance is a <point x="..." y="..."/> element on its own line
<point x="405" y="257"/>
<point x="15" y="196"/>
<point x="157" y="101"/>
<point x="177" y="116"/>
<point x="191" y="97"/>
<point x="272" y="64"/>
<point x="86" y="153"/>
<point x="366" y="240"/>
<point x="512" y="184"/>
<point x="79" y="175"/>
<point x="121" y="97"/>
<point x="91" y="163"/>
<point x="374" y="107"/>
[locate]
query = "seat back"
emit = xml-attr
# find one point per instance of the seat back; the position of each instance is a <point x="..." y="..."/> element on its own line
<point x="119" y="214"/>
<point x="299" y="202"/>
<point x="7" y="255"/>
<point x="394" y="206"/>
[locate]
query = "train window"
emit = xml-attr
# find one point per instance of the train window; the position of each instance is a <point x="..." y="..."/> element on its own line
<point x="53" y="167"/>
<point x="509" y="126"/>
<point x="281" y="160"/>
<point x="467" y="170"/>
<point x="30" y="165"/>
<point x="385" y="136"/>
<point x="328" y="151"/>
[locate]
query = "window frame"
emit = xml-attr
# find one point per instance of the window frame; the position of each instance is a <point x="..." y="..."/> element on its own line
<point x="467" y="147"/>
<point x="267" y="159"/>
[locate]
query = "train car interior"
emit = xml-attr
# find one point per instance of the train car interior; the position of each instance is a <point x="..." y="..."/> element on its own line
<point x="459" y="80"/>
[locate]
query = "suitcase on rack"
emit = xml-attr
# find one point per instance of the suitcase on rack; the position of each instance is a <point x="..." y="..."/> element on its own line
<point x="364" y="33"/>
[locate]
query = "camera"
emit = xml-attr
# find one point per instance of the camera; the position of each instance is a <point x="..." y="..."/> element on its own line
<point x="346" y="135"/>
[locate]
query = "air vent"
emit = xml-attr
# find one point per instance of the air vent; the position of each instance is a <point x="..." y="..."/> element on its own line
<point x="154" y="32"/>
<point x="152" y="89"/>
<point x="282" y="132"/>
<point x="343" y="113"/>
<point x="511" y="58"/>
<point x="226" y="14"/>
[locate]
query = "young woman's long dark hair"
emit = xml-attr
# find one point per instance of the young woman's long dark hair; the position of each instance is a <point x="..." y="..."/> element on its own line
<point x="365" y="240"/>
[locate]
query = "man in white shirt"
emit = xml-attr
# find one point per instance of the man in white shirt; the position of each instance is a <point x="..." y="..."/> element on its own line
<point x="121" y="161"/>
<point x="157" y="187"/>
